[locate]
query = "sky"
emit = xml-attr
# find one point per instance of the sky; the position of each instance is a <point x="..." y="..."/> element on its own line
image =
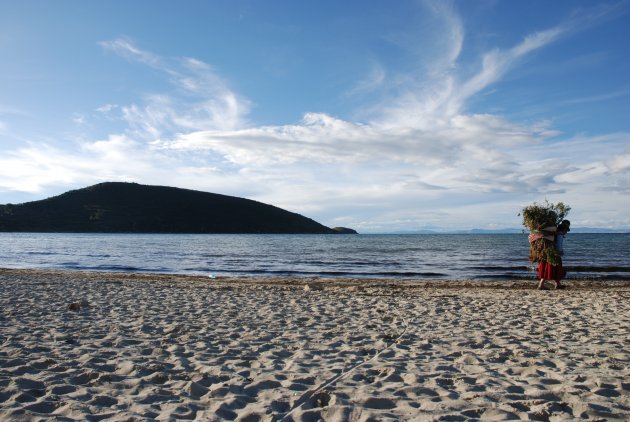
<point x="381" y="116"/>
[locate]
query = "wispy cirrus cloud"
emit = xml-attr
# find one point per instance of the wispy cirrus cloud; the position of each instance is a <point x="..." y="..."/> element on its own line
<point x="323" y="138"/>
<point x="371" y="82"/>
<point x="597" y="98"/>
<point x="126" y="48"/>
<point x="426" y="125"/>
<point x="204" y="101"/>
<point x="452" y="40"/>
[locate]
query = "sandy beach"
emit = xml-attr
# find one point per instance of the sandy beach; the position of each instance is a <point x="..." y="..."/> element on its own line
<point x="115" y="346"/>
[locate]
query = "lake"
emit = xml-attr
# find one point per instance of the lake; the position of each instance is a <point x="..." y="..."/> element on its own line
<point x="444" y="256"/>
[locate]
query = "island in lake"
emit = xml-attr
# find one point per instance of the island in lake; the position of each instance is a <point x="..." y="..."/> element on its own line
<point x="117" y="207"/>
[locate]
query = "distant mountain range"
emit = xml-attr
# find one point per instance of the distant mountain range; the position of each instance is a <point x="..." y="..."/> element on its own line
<point x="508" y="231"/>
<point x="114" y="207"/>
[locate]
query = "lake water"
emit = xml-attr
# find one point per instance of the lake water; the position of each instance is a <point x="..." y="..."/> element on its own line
<point x="502" y="256"/>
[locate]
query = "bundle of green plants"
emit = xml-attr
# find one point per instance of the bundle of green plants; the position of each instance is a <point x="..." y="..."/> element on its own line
<point x="537" y="218"/>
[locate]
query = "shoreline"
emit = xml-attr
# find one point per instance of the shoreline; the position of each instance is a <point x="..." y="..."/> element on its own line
<point x="320" y="281"/>
<point x="150" y="346"/>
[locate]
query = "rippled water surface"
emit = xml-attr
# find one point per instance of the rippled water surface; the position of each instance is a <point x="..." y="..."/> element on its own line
<point x="603" y="256"/>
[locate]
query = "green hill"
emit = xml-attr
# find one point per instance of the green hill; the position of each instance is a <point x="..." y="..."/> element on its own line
<point x="114" y="207"/>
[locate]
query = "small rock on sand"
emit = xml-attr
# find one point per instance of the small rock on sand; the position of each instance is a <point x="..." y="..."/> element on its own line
<point x="74" y="307"/>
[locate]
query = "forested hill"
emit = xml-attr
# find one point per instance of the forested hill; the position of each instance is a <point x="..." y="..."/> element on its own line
<point x="114" y="207"/>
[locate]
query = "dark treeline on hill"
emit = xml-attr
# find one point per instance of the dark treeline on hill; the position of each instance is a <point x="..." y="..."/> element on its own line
<point x="114" y="207"/>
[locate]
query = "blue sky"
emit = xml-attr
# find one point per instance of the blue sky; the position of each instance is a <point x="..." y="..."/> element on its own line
<point x="376" y="115"/>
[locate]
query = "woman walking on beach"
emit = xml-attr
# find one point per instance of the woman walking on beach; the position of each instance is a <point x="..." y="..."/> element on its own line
<point x="547" y="271"/>
<point x="547" y="230"/>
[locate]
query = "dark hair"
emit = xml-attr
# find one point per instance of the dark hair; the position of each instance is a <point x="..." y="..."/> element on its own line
<point x="564" y="226"/>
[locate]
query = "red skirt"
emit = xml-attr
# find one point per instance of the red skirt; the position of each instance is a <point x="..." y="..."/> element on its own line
<point x="550" y="272"/>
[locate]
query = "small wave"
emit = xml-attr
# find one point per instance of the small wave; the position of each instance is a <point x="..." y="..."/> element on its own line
<point x="498" y="268"/>
<point x="112" y="268"/>
<point x="598" y="277"/>
<point x="594" y="269"/>
<point x="502" y="276"/>
<point x="69" y="264"/>
<point x="197" y="269"/>
<point x="297" y="273"/>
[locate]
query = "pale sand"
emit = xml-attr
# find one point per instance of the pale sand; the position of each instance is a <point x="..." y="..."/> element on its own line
<point x="168" y="347"/>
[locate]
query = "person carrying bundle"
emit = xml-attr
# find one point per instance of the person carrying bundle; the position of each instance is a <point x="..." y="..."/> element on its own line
<point x="547" y="230"/>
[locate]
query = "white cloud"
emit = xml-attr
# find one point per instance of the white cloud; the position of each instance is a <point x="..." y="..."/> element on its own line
<point x="497" y="62"/>
<point x="451" y="40"/>
<point x="323" y="138"/>
<point x="423" y="144"/>
<point x="106" y="108"/>
<point x="125" y="48"/>
<point x="204" y="100"/>
<point x="597" y="98"/>
<point x="620" y="163"/>
<point x="31" y="168"/>
<point x="78" y="119"/>
<point x="38" y="167"/>
<point x="374" y="79"/>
